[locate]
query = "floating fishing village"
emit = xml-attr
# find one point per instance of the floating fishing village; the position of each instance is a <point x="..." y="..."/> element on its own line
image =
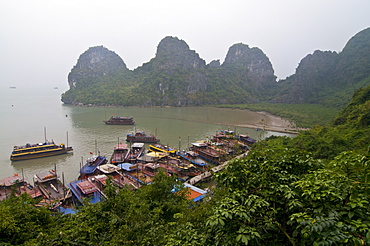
<point x="132" y="165"/>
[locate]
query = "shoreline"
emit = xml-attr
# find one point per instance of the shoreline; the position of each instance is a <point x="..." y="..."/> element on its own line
<point x="275" y="124"/>
<point x="270" y="122"/>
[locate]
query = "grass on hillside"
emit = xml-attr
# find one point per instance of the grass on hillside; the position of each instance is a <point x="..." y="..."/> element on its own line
<point x="304" y="115"/>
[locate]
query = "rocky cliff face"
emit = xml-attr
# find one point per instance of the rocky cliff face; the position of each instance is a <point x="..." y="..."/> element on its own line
<point x="256" y="63"/>
<point x="94" y="63"/>
<point x="173" y="53"/>
<point x="313" y="74"/>
<point x="329" y="78"/>
<point x="354" y="60"/>
<point x="177" y="76"/>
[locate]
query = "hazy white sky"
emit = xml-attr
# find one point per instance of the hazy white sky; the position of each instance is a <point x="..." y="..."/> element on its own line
<point x="41" y="40"/>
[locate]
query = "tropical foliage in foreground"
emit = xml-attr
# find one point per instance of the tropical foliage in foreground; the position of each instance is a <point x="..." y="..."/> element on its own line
<point x="313" y="189"/>
<point x="271" y="197"/>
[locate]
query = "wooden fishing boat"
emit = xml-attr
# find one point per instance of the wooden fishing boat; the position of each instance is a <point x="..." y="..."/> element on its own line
<point x="206" y="152"/>
<point x="157" y="147"/>
<point x="120" y="154"/>
<point x="113" y="172"/>
<point x="135" y="152"/>
<point x="193" y="157"/>
<point x="31" y="151"/>
<point x="19" y="186"/>
<point x="141" y="137"/>
<point x="91" y="165"/>
<point x="247" y="139"/>
<point x="183" y="168"/>
<point x="51" y="187"/>
<point x="85" y="189"/>
<point x="118" y="120"/>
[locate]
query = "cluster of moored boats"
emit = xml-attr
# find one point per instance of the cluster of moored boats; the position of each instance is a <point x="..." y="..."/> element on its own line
<point x="130" y="165"/>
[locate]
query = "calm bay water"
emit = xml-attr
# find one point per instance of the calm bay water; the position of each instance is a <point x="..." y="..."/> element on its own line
<point x="26" y="111"/>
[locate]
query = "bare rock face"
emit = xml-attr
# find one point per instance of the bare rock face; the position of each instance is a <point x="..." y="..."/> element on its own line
<point x="253" y="60"/>
<point x="176" y="76"/>
<point x="94" y="63"/>
<point x="173" y="53"/>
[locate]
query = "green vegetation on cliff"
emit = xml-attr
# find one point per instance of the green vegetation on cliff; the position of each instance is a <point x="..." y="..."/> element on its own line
<point x="178" y="76"/>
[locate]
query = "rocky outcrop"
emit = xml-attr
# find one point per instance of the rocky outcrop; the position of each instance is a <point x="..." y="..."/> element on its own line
<point x="329" y="78"/>
<point x="173" y="53"/>
<point x="313" y="74"/>
<point x="178" y="76"/>
<point x="96" y="62"/>
<point x="256" y="63"/>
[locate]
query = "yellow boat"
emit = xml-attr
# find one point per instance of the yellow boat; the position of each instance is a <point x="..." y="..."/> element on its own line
<point x="39" y="150"/>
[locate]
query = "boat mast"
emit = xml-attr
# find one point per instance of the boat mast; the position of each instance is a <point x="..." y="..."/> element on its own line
<point x="45" y="133"/>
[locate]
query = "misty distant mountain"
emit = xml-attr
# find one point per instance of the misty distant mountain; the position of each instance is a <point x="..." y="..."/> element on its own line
<point x="178" y="76"/>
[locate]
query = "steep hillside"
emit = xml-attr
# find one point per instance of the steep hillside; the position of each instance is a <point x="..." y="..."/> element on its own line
<point x="349" y="130"/>
<point x="328" y="78"/>
<point x="176" y="76"/>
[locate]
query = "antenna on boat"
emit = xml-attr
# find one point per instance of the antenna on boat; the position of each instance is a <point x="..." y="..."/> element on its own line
<point x="179" y="143"/>
<point x="22" y="175"/>
<point x="45" y="133"/>
<point x="67" y="139"/>
<point x="96" y="146"/>
<point x="64" y="190"/>
<point x="156" y="131"/>
<point x="56" y="176"/>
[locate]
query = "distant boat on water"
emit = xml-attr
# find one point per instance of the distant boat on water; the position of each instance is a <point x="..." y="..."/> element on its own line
<point x="141" y="137"/>
<point x="12" y="87"/>
<point x="56" y="87"/>
<point x="118" y="120"/>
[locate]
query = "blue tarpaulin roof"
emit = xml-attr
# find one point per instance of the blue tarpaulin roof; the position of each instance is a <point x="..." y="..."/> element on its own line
<point x="127" y="166"/>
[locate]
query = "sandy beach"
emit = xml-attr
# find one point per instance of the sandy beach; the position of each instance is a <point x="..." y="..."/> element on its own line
<point x="274" y="123"/>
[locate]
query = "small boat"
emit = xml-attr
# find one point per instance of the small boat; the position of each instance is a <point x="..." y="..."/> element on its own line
<point x="183" y="168"/>
<point x="18" y="185"/>
<point x="206" y="152"/>
<point x="114" y="173"/>
<point x="120" y="154"/>
<point x="82" y="189"/>
<point x="141" y="137"/>
<point x="108" y="168"/>
<point x="118" y="120"/>
<point x="136" y="151"/>
<point x="247" y="139"/>
<point x="51" y="187"/>
<point x="91" y="165"/>
<point x="193" y="158"/>
<point x="12" y="87"/>
<point x="31" y="151"/>
<point x="157" y="147"/>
